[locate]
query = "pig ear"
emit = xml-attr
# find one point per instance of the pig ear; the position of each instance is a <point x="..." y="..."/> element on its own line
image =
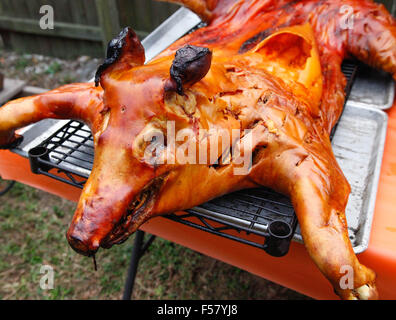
<point x="293" y="51"/>
<point x="190" y="65"/>
<point x="123" y="53"/>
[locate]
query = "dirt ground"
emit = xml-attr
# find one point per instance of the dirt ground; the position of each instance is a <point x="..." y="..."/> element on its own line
<point x="46" y="72"/>
<point x="33" y="226"/>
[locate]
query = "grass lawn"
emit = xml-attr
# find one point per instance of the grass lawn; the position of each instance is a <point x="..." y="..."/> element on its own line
<point x="32" y="233"/>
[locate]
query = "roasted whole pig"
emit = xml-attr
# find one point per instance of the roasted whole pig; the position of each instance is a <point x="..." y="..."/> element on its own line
<point x="271" y="69"/>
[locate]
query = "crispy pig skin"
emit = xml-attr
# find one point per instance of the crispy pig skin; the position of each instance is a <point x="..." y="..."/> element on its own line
<point x="273" y="67"/>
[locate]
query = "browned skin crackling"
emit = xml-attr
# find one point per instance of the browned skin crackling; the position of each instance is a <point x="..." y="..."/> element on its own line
<point x="270" y="66"/>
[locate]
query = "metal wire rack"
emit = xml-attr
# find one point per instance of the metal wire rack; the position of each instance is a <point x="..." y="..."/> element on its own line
<point x="258" y="217"/>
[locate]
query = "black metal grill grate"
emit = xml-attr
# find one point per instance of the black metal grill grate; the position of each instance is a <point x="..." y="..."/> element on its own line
<point x="72" y="145"/>
<point x="262" y="212"/>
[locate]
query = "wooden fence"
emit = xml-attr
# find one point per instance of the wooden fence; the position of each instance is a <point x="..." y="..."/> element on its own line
<point x="82" y="27"/>
<point x="390" y="4"/>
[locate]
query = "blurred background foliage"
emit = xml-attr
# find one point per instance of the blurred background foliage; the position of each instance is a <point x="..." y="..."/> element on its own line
<point x="82" y="27"/>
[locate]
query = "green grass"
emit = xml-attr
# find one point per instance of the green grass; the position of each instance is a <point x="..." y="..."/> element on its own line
<point x="21" y="63"/>
<point x="32" y="233"/>
<point x="54" y="68"/>
<point x="67" y="79"/>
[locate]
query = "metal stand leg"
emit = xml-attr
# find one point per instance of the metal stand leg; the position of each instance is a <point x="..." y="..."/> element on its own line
<point x="8" y="188"/>
<point x="137" y="252"/>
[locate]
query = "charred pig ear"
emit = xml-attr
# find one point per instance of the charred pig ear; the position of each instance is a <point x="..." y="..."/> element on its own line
<point x="125" y="51"/>
<point x="190" y="65"/>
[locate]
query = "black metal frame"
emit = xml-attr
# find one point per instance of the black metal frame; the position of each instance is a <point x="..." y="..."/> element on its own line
<point x="138" y="250"/>
<point x="7" y="188"/>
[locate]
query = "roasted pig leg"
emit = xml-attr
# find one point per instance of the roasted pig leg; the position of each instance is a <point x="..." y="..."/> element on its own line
<point x="276" y="81"/>
<point x="81" y="101"/>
